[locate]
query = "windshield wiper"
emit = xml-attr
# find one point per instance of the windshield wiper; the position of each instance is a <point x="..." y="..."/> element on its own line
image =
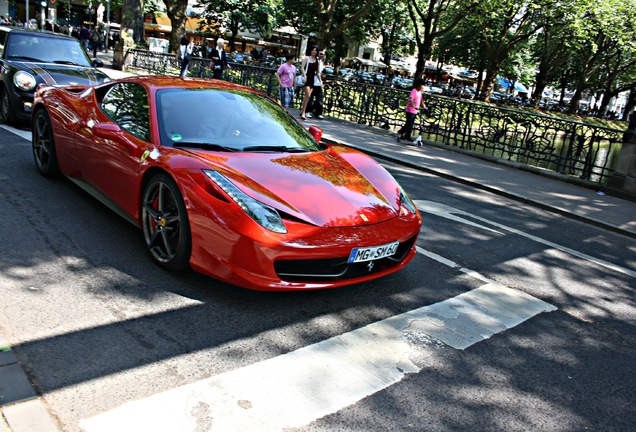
<point x="282" y="149"/>
<point x="205" y="146"/>
<point x="26" y="58"/>
<point x="66" y="62"/>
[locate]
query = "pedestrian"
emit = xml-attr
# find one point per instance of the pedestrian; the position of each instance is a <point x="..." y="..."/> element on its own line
<point x="219" y="59"/>
<point x="96" y="40"/>
<point x="185" y="51"/>
<point x="310" y="69"/>
<point x="84" y="35"/>
<point x="285" y="76"/>
<point x="205" y="53"/>
<point x="315" y="104"/>
<point x="412" y="108"/>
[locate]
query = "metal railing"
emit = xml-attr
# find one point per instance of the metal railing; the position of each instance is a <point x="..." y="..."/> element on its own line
<point x="575" y="149"/>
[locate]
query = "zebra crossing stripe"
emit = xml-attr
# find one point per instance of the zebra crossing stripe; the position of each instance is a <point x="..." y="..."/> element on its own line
<point x="294" y="389"/>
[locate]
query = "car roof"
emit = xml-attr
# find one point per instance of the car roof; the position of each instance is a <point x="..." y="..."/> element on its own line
<point x="159" y="82"/>
<point x="32" y="32"/>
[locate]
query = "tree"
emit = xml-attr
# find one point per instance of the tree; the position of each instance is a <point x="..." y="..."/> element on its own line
<point x="504" y="25"/>
<point x="554" y="43"/>
<point x="392" y="22"/>
<point x="608" y="49"/>
<point x="328" y="19"/>
<point x="236" y="15"/>
<point x="431" y="20"/>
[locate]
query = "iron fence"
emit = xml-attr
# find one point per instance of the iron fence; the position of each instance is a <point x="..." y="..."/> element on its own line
<point x="575" y="149"/>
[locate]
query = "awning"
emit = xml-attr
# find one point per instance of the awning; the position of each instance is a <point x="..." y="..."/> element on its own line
<point x="275" y="44"/>
<point x="364" y="62"/>
<point x="505" y="83"/>
<point x="399" y="67"/>
<point x="462" y="78"/>
<point x="165" y="25"/>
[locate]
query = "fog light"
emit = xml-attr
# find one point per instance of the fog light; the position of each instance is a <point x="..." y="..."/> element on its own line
<point x="28" y="106"/>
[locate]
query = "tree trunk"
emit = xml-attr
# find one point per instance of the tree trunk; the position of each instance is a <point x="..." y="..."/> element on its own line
<point x="176" y="11"/>
<point x="133" y="18"/>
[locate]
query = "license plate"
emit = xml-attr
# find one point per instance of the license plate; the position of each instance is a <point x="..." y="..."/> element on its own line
<point x="372" y="253"/>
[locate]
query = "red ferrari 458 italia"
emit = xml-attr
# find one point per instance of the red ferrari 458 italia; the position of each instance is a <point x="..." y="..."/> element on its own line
<point x="223" y="180"/>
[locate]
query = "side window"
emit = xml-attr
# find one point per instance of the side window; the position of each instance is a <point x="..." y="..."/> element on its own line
<point x="127" y="105"/>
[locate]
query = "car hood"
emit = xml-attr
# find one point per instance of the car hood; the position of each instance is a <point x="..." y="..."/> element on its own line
<point x="332" y="188"/>
<point x="65" y="75"/>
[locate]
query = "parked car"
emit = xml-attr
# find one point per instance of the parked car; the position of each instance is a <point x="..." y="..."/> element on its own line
<point x="403" y="83"/>
<point x="31" y="58"/>
<point x="364" y="77"/>
<point x="239" y="57"/>
<point x="345" y="74"/>
<point x="210" y="188"/>
<point x="467" y="73"/>
<point x="431" y="88"/>
<point x="379" y="78"/>
<point x="329" y="72"/>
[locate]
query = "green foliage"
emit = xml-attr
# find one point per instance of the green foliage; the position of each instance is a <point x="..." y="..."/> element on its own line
<point x="250" y="15"/>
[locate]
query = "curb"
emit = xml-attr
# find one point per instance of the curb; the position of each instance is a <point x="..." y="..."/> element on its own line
<point x="20" y="407"/>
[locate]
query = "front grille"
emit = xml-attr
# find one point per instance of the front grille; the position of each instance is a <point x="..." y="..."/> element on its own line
<point x="322" y="270"/>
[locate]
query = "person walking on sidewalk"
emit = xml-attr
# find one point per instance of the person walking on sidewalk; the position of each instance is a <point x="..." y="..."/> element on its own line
<point x="311" y="71"/>
<point x="219" y="59"/>
<point x="96" y="40"/>
<point x="84" y="35"/>
<point x="285" y="76"/>
<point x="185" y="51"/>
<point x="412" y="108"/>
<point x="315" y="104"/>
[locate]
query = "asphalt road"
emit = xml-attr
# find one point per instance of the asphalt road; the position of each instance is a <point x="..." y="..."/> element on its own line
<point x="103" y="332"/>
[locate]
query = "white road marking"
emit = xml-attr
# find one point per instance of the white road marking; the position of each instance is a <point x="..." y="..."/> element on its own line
<point x="19" y="132"/>
<point x="294" y="389"/>
<point x="456" y="215"/>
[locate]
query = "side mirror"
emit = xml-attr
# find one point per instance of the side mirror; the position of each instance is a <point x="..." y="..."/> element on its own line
<point x="98" y="63"/>
<point x="315" y="132"/>
<point x="107" y="130"/>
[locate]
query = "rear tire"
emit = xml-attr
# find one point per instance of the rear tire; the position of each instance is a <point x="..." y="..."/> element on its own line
<point x="43" y="144"/>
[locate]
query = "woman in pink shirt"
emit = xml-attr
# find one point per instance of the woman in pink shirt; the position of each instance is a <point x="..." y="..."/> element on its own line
<point x="412" y="108"/>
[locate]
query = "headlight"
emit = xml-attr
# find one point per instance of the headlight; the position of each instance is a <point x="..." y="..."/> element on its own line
<point x="263" y="214"/>
<point x="24" y="81"/>
<point x="406" y="202"/>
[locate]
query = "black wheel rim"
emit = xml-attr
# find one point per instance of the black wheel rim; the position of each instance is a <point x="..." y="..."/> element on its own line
<point x="162" y="222"/>
<point x="41" y="141"/>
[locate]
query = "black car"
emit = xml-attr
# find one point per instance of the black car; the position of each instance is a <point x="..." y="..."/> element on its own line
<point x="29" y="58"/>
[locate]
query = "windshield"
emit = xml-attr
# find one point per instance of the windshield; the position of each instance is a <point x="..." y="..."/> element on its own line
<point x="36" y="48"/>
<point x="228" y="120"/>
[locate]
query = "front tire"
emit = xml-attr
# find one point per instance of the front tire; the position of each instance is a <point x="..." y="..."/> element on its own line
<point x="43" y="144"/>
<point x="165" y="224"/>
